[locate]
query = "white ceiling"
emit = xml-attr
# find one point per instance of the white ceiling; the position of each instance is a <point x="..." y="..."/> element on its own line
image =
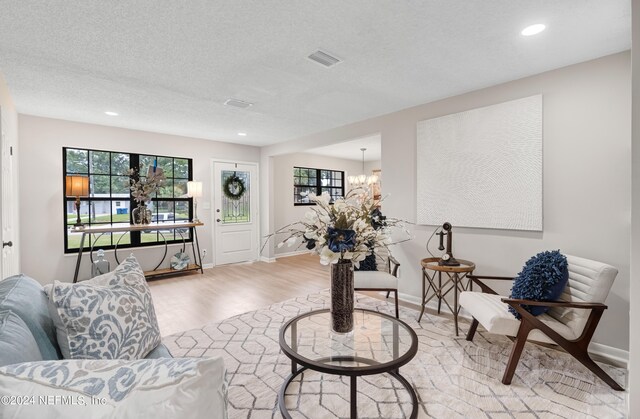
<point x="350" y="149"/>
<point x="169" y="66"/>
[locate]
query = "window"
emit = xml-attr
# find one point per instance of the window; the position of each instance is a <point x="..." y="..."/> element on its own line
<point x="109" y="199"/>
<point x="306" y="180"/>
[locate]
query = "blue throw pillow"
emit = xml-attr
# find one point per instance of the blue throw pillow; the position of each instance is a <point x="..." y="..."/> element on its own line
<point x="17" y="344"/>
<point x="368" y="264"/>
<point x="543" y="278"/>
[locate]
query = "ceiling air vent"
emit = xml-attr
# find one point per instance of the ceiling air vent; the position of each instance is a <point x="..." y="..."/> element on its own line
<point x="238" y="103"/>
<point x="324" y="59"/>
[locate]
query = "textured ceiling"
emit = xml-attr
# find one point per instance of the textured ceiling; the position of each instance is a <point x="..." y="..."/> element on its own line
<point x="169" y="66"/>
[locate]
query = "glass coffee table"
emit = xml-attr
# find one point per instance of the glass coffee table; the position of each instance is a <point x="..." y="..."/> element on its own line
<point x="378" y="344"/>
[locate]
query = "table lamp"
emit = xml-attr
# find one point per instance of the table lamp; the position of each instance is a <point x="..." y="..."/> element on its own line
<point x="194" y="190"/>
<point x="77" y="186"/>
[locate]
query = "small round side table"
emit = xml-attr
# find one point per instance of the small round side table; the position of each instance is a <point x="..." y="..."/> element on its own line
<point x="454" y="281"/>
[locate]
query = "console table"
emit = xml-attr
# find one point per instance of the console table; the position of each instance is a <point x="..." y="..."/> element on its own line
<point x="127" y="228"/>
<point x="454" y="282"/>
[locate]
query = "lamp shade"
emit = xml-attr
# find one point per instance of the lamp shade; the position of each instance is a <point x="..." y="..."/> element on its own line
<point x="194" y="189"/>
<point x="77" y="185"/>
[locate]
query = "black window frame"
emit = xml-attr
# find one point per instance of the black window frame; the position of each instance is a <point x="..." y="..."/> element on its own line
<point x="135" y="236"/>
<point x="318" y="186"/>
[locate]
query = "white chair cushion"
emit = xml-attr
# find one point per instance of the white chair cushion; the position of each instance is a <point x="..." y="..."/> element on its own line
<point x="589" y="281"/>
<point x="494" y="316"/>
<point x="374" y="279"/>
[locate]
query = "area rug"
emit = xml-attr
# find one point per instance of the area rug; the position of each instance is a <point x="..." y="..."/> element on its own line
<point x="453" y="378"/>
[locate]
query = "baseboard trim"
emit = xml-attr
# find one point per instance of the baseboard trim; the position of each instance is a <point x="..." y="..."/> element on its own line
<point x="207" y="266"/>
<point x="289" y="254"/>
<point x="408" y="298"/>
<point x="609" y="354"/>
<point x="600" y="352"/>
<point x="283" y="255"/>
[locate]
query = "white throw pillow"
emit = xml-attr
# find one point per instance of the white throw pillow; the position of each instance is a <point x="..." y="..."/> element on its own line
<point x="148" y="388"/>
<point x="109" y="317"/>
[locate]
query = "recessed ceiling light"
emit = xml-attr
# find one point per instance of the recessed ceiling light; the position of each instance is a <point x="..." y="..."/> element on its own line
<point x="533" y="29"/>
<point x="111" y="113"/>
<point x="242" y="134"/>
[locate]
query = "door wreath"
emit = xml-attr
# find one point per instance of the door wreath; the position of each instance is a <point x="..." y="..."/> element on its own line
<point x="234" y="187"/>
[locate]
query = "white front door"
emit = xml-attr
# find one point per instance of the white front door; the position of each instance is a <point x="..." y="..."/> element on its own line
<point x="235" y="212"/>
<point x="10" y="264"/>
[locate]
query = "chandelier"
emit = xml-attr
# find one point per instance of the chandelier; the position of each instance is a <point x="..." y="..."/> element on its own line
<point x="362" y="179"/>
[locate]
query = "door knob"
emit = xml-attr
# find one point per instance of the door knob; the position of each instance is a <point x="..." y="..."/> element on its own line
<point x="218" y="220"/>
<point x="9" y="244"/>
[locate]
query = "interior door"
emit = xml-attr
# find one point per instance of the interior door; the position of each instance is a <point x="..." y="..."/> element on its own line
<point x="10" y="264"/>
<point x="235" y="192"/>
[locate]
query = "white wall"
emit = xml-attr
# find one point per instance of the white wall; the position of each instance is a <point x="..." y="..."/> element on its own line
<point x="284" y="211"/>
<point x="10" y="119"/>
<point x="372" y="165"/>
<point x="587" y="174"/>
<point x="8" y="109"/>
<point x="41" y="184"/>
<point x="634" y="314"/>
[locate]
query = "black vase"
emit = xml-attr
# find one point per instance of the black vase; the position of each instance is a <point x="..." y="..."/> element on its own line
<point x="342" y="296"/>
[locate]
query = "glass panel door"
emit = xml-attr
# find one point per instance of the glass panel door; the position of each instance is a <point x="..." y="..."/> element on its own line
<point x="236" y="197"/>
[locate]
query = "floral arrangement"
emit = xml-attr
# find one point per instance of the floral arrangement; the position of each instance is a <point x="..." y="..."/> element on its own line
<point x="350" y="229"/>
<point x="142" y="190"/>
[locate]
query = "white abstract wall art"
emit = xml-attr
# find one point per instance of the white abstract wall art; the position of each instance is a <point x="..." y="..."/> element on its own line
<point x="482" y="168"/>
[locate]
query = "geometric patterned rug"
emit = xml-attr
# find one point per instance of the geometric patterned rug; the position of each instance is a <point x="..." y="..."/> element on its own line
<point x="453" y="378"/>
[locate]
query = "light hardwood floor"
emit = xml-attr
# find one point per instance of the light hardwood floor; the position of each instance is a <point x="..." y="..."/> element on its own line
<point x="191" y="301"/>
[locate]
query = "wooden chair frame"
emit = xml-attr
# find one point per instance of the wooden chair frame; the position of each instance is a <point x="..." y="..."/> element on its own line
<point x="393" y="271"/>
<point x="576" y="347"/>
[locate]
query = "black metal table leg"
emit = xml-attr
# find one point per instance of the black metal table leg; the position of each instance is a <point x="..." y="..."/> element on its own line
<point x="199" y="256"/>
<point x="424" y="295"/>
<point x="75" y="276"/>
<point x="294" y="346"/>
<point x="354" y="397"/>
<point x="456" y="281"/>
<point x="440" y="288"/>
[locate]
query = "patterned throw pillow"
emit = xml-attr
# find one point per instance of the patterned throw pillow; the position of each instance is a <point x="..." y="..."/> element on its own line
<point x="148" y="388"/>
<point x="543" y="278"/>
<point x="108" y="318"/>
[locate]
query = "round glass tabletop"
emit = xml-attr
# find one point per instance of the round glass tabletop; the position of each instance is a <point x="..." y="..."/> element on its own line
<point x="378" y="343"/>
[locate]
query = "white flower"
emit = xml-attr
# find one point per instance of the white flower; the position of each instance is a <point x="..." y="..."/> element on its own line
<point x="357" y="257"/>
<point x="339" y="205"/>
<point x="291" y="241"/>
<point x="311" y="235"/>
<point x="359" y="225"/>
<point x="311" y="216"/>
<point x="323" y="199"/>
<point x="327" y="256"/>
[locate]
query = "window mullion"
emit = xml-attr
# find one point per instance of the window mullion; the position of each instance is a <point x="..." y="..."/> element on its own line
<point x="90" y="159"/>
